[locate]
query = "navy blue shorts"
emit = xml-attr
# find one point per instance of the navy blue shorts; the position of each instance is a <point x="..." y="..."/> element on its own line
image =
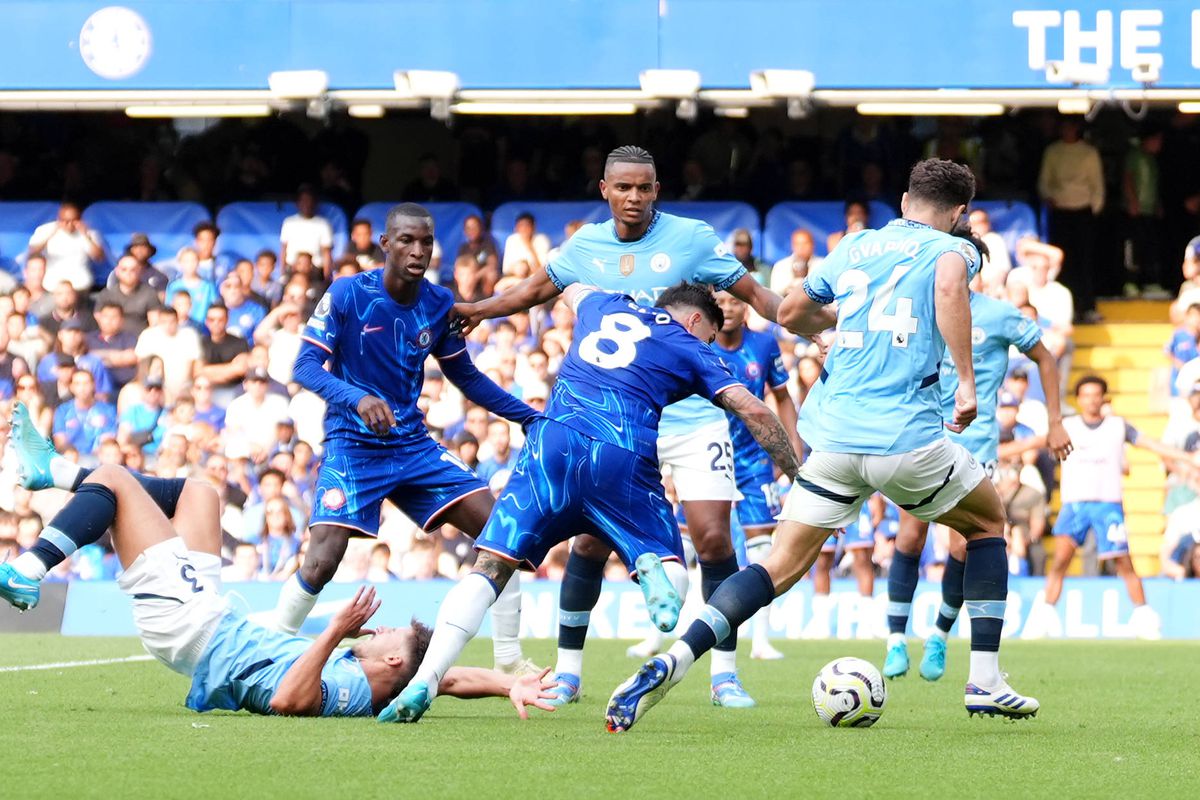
<point x="421" y="478"/>
<point x="566" y="483"/>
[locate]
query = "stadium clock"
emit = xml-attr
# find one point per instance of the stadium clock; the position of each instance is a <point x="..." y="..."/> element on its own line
<point x="115" y="42"/>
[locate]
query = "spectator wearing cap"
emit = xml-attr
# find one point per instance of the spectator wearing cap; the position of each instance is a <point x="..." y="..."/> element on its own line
<point x="202" y="292"/>
<point x="363" y="247"/>
<point x="143" y="250"/>
<point x="280" y="333"/>
<point x="134" y="297"/>
<point x="244" y="313"/>
<point x="68" y="304"/>
<point x="177" y="349"/>
<point x="224" y="357"/>
<point x="792" y="270"/>
<point x="143" y="423"/>
<point x="525" y="246"/>
<point x="251" y="418"/>
<point x="70" y="247"/>
<point x="306" y="232"/>
<point x="70" y="342"/>
<point x="743" y="251"/>
<point x="113" y="345"/>
<point x="41" y="301"/>
<point x="84" y="420"/>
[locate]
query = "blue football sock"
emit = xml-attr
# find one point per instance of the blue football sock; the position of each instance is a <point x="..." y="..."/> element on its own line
<point x="985" y="590"/>
<point x="576" y="599"/>
<point x="712" y="575"/>
<point x="165" y="492"/>
<point x="82" y="521"/>
<point x="734" y="602"/>
<point x="952" y="594"/>
<point x="902" y="585"/>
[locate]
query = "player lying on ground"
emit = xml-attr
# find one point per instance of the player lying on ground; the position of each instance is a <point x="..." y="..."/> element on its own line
<point x="376" y="330"/>
<point x="590" y="464"/>
<point x="172" y="573"/>
<point x="996" y="325"/>
<point x="874" y="422"/>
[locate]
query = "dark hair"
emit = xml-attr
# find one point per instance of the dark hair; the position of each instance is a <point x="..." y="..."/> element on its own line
<point x="201" y="227"/>
<point x="412" y="210"/>
<point x="354" y="223"/>
<point x="693" y="295"/>
<point x="1192" y="307"/>
<point x="525" y="215"/>
<point x="420" y="643"/>
<point x="962" y="229"/>
<point x="306" y="188"/>
<point x="1096" y="379"/>
<point x="272" y="471"/>
<point x="220" y="306"/>
<point x="266" y="254"/>
<point x="111" y="304"/>
<point x="629" y="154"/>
<point x="941" y="183"/>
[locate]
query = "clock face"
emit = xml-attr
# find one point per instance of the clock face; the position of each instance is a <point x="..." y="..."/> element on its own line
<point x="115" y="42"/>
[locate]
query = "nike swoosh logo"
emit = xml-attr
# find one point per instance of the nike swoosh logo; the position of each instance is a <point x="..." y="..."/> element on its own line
<point x="18" y="586"/>
<point x="369" y="329"/>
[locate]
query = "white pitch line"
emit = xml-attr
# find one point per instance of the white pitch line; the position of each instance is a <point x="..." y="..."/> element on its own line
<point x="96" y="662"/>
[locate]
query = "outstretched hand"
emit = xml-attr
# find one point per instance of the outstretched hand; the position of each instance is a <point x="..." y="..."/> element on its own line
<point x="532" y="690"/>
<point x="349" y="621"/>
<point x="464" y="318"/>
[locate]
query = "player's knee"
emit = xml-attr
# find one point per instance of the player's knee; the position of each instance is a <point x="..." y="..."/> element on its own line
<point x="326" y="547"/>
<point x="590" y="547"/>
<point x="112" y="476"/>
<point x="200" y="495"/>
<point x="712" y="541"/>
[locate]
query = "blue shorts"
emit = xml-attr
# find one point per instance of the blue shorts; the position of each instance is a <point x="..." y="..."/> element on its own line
<point x="760" y="503"/>
<point x="858" y="535"/>
<point x="566" y="483"/>
<point x="1106" y="519"/>
<point x="422" y="479"/>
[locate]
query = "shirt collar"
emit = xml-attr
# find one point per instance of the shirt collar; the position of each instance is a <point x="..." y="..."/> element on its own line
<point x="909" y="223"/>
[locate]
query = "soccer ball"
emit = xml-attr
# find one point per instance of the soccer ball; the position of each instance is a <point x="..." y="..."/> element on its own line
<point x="849" y="693"/>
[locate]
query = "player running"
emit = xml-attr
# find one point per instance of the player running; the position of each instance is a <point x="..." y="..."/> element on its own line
<point x="591" y="464"/>
<point x="996" y="325"/>
<point x="641" y="252"/>
<point x="874" y="422"/>
<point x="1090" y="489"/>
<point x="172" y="573"/>
<point x="755" y="360"/>
<point x="376" y="330"/>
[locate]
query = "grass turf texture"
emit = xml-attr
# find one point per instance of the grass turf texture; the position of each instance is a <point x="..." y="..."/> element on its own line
<point x="1116" y="721"/>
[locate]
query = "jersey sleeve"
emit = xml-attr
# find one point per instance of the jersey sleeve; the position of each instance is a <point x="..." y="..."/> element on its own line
<point x="1131" y="434"/>
<point x="711" y="375"/>
<point x="777" y="374"/>
<point x="344" y="689"/>
<point x="327" y="320"/>
<point x="818" y="285"/>
<point x="715" y="265"/>
<point x="1020" y="330"/>
<point x="565" y="269"/>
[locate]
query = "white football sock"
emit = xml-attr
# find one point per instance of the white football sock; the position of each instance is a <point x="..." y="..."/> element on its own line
<point x="723" y="661"/>
<point x="985" y="669"/>
<point x="938" y="633"/>
<point x="757" y="549"/>
<point x="29" y="566"/>
<point x="895" y="639"/>
<point x="457" y="623"/>
<point x="293" y="607"/>
<point x="677" y="574"/>
<point x="64" y="473"/>
<point x="570" y="662"/>
<point x="684" y="658"/>
<point x="506" y="622"/>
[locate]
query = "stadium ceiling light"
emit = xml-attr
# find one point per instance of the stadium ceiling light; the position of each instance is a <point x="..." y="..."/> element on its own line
<point x="298" y="84"/>
<point x="1189" y="107"/>
<point x="180" y="111"/>
<point x="731" y="112"/>
<point x="575" y="109"/>
<point x="670" y="84"/>
<point x="427" y="84"/>
<point x="931" y="109"/>
<point x="782" y="83"/>
<point x="1074" y="105"/>
<point x="365" y="110"/>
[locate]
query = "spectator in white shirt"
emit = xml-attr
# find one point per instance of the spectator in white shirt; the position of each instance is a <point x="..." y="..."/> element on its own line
<point x="306" y="232"/>
<point x="1053" y="301"/>
<point x="177" y="347"/>
<point x="525" y="246"/>
<point x="71" y="249"/>
<point x="251" y="419"/>
<point x="793" y="269"/>
<point x="997" y="265"/>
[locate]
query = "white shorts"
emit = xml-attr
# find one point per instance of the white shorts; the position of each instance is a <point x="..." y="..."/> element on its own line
<point x="176" y="602"/>
<point x="701" y="463"/>
<point x="926" y="483"/>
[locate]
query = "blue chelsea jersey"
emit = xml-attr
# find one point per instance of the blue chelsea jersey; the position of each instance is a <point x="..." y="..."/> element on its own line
<point x="996" y="325"/>
<point x="380" y="346"/>
<point x="627" y="362"/>
<point x="673" y="249"/>
<point x="244" y="664"/>
<point x="758" y="364"/>
<point x="879" y="392"/>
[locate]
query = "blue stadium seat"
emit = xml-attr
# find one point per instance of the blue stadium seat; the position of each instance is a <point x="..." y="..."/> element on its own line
<point x="447" y="222"/>
<point x="17" y="221"/>
<point x="551" y="218"/>
<point x="819" y="217"/>
<point x="1012" y="219"/>
<point x="169" y="225"/>
<point x="247" y="228"/>
<point x="725" y="217"/>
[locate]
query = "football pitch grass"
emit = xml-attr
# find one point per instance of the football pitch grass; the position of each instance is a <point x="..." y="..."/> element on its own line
<point x="1118" y="719"/>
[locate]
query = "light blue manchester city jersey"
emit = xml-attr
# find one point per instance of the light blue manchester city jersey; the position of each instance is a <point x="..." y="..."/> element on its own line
<point x="996" y="325"/>
<point x="673" y="249"/>
<point x="879" y="392"/>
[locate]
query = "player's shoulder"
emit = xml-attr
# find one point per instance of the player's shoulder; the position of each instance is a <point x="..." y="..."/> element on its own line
<point x="432" y="294"/>
<point x="689" y="224"/>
